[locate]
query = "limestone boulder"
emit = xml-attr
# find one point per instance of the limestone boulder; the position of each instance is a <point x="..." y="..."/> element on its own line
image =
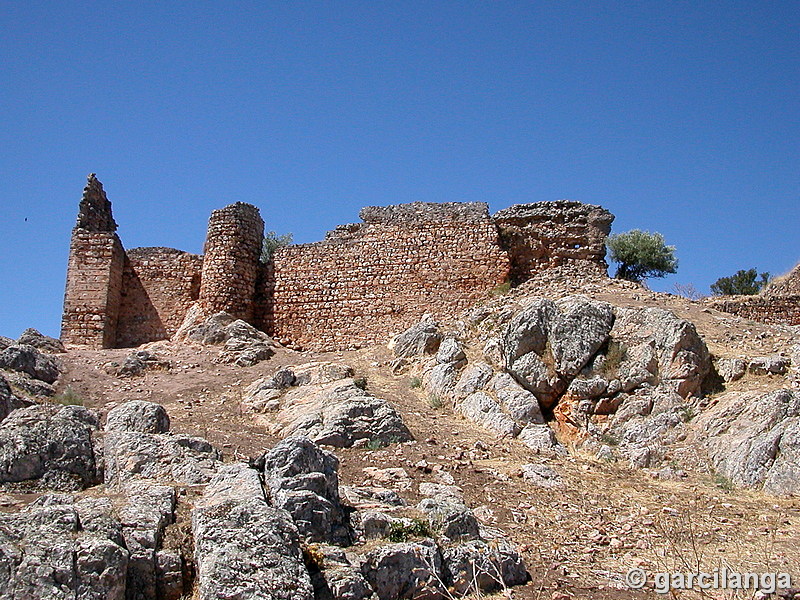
<point x="769" y="365"/>
<point x="8" y="400"/>
<point x="406" y="570"/>
<point x="477" y="566"/>
<point x="547" y="344"/>
<point x="138" y="415"/>
<point x="337" y="575"/>
<point x="336" y="414"/>
<point x="450" y="518"/>
<point x="44" y="343"/>
<point x="753" y="439"/>
<point x="164" y="458"/>
<point x="245" y="548"/>
<point x="303" y="479"/>
<point x="731" y="369"/>
<point x="484" y="410"/>
<point x="139" y="362"/>
<point x="49" y="446"/>
<point x="450" y="351"/>
<point x="27" y="386"/>
<point x="28" y="359"/>
<point x="242" y="344"/>
<point x="655" y="341"/>
<point x="418" y="340"/>
<point x="60" y="549"/>
<point x="153" y="572"/>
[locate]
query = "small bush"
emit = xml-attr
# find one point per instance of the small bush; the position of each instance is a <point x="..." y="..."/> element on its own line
<point x="609" y="439"/>
<point x="687" y="413"/>
<point x="723" y="483"/>
<point x="271" y="242"/>
<point x="403" y="532"/>
<point x="615" y="354"/>
<point x="415" y="383"/>
<point x="502" y="289"/>
<point x="68" y="398"/>
<point x="360" y="382"/>
<point x="435" y="401"/>
<point x="375" y="444"/>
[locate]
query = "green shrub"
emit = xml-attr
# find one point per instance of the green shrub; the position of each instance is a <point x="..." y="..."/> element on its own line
<point x="741" y="283"/>
<point x="271" y="242"/>
<point x="502" y="289"/>
<point x="723" y="482"/>
<point x="402" y="532"/>
<point x="435" y="401"/>
<point x="375" y="444"/>
<point x="615" y="354"/>
<point x="68" y="397"/>
<point x="360" y="382"/>
<point x="641" y="255"/>
<point x="608" y="439"/>
<point x="416" y="382"/>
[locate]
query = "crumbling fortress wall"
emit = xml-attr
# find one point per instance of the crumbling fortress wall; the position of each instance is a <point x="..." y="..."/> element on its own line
<point x="94" y="273"/>
<point x="368" y="280"/>
<point x="779" y="303"/>
<point x="550" y="234"/>
<point x="361" y="284"/>
<point x="231" y="261"/>
<point x="159" y="285"/>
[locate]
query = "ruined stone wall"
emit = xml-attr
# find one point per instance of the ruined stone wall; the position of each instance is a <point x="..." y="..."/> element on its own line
<point x="773" y="311"/>
<point x="230" y="265"/>
<point x="543" y="235"/>
<point x="360" y="285"/>
<point x="94" y="273"/>
<point x="778" y="304"/>
<point x="158" y="287"/>
<point x="788" y="285"/>
<point x="367" y="281"/>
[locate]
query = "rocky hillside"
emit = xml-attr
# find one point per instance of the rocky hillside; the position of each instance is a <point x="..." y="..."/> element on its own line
<point x="539" y="445"/>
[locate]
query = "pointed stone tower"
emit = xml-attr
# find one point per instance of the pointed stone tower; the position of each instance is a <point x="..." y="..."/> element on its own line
<point x="94" y="273"/>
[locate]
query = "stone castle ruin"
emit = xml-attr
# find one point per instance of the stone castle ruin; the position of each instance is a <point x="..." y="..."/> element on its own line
<point x="361" y="284"/>
<point x="778" y="303"/>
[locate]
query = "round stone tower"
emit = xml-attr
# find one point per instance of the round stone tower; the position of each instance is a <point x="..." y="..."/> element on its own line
<point x="230" y="264"/>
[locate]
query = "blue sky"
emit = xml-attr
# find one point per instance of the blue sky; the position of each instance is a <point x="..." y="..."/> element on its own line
<point x="679" y="117"/>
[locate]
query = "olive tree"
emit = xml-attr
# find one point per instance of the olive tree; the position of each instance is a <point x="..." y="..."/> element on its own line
<point x="641" y="255"/>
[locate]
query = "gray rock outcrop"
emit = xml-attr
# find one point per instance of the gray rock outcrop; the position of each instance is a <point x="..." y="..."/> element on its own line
<point x="324" y="404"/>
<point x="45" y="343"/>
<point x="548" y="343"/>
<point x="303" y="479"/>
<point x="753" y="439"/>
<point x="245" y="548"/>
<point x="487" y="566"/>
<point x="419" y="339"/>
<point x="406" y="570"/>
<point x="242" y="344"/>
<point x="60" y="549"/>
<point x="28" y="359"/>
<point x="8" y="400"/>
<point x="138" y="415"/>
<point x="49" y="446"/>
<point x="133" y="449"/>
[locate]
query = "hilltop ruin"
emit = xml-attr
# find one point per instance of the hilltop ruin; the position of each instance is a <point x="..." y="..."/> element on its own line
<point x="778" y="303"/>
<point x="362" y="283"/>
